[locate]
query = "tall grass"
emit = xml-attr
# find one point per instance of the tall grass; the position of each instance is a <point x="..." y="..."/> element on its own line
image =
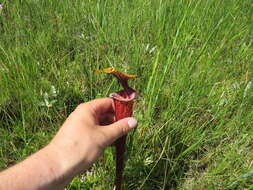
<point x="195" y="105"/>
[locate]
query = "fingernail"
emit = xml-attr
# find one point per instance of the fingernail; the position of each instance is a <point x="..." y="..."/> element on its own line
<point x="132" y="123"/>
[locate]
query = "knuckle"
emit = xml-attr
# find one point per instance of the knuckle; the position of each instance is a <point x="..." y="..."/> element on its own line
<point x="124" y="129"/>
<point x="80" y="106"/>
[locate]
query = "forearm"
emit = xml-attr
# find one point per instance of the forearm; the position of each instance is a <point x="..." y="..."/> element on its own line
<point x="75" y="147"/>
<point x="39" y="171"/>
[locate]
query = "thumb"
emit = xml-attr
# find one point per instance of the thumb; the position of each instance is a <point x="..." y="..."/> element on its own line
<point x="118" y="129"/>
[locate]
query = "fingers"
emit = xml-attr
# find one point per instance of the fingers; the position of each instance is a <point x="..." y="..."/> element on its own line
<point x="99" y="111"/>
<point x="118" y="129"/>
<point x="102" y="105"/>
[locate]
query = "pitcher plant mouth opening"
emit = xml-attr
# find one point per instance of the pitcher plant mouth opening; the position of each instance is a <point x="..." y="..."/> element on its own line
<point x="123" y="103"/>
<point x="121" y="96"/>
<point x="128" y="93"/>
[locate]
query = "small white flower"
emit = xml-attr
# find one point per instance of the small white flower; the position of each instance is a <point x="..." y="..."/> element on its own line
<point x="89" y="173"/>
<point x="235" y="86"/>
<point x="82" y="178"/>
<point x="49" y="98"/>
<point x="149" y="49"/>
<point x="247" y="88"/>
<point x="82" y="36"/>
<point x="53" y="91"/>
<point x="1" y="8"/>
<point x="152" y="49"/>
<point x="149" y="160"/>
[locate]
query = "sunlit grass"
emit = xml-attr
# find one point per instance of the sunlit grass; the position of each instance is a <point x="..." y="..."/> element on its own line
<point x="195" y="104"/>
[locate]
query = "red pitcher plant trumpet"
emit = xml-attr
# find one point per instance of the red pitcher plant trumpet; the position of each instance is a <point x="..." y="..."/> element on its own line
<point x="123" y="103"/>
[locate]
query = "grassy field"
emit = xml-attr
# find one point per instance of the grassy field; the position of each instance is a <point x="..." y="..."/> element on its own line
<point x="195" y="104"/>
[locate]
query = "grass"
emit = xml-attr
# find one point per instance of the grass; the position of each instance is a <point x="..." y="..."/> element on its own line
<point x="195" y="105"/>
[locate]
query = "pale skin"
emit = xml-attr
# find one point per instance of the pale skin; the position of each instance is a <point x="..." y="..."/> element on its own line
<point x="84" y="135"/>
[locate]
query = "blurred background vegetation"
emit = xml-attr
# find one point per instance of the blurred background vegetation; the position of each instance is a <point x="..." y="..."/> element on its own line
<point x="195" y="104"/>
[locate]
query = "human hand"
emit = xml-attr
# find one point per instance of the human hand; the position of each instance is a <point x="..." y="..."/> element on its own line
<point x="78" y="143"/>
<point x="85" y="134"/>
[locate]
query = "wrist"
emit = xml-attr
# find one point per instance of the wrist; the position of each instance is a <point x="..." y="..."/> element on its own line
<point x="70" y="159"/>
<point x="58" y="174"/>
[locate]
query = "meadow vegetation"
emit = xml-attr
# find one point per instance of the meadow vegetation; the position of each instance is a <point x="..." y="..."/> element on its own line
<point x="195" y="104"/>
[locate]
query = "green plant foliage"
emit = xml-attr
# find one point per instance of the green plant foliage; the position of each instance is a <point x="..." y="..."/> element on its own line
<point x="195" y="104"/>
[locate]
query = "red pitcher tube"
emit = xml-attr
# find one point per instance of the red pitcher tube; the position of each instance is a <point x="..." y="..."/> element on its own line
<point x="123" y="104"/>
